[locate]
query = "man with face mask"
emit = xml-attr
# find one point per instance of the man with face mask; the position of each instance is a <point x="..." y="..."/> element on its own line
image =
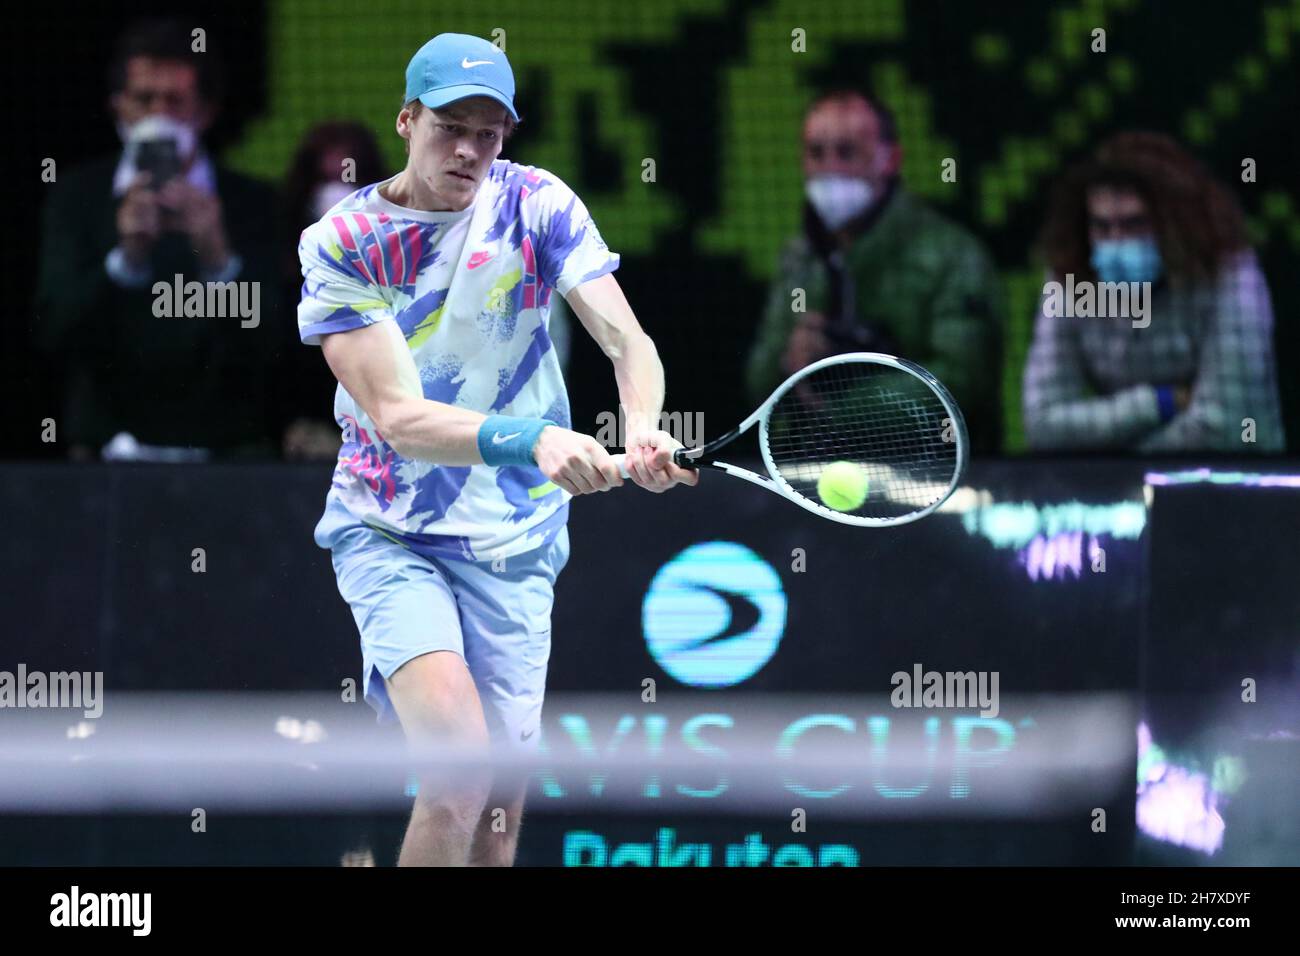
<point x="141" y="382"/>
<point x="880" y="271"/>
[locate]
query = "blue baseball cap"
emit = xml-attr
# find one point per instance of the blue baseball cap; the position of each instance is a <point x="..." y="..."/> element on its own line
<point x="453" y="66"/>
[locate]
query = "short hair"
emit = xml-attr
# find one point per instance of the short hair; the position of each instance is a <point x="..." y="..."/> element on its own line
<point x="844" y="95"/>
<point x="415" y="106"/>
<point x="166" y="39"/>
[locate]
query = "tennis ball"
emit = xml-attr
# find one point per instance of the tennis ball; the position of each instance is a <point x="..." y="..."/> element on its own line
<point x="842" y="486"/>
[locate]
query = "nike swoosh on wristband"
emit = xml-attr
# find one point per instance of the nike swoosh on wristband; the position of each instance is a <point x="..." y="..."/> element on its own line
<point x="499" y="439"/>
<point x="466" y="63"/>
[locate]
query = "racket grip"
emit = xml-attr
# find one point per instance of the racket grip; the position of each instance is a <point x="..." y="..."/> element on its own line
<point x="679" y="459"/>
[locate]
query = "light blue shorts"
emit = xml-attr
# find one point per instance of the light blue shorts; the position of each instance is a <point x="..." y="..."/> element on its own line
<point x="406" y="605"/>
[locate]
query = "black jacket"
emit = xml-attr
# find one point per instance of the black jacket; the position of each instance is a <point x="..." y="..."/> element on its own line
<point x="199" y="382"/>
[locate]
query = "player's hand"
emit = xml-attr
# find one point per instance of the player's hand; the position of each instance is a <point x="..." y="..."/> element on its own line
<point x="807" y="343"/>
<point x="649" y="460"/>
<point x="139" y="221"/>
<point x="574" y="461"/>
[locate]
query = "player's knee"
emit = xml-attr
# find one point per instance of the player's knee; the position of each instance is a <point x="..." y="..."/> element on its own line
<point x="436" y="700"/>
<point x="442" y="719"/>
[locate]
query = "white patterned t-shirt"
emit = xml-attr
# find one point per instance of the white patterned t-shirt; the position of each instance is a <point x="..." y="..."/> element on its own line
<point x="470" y="291"/>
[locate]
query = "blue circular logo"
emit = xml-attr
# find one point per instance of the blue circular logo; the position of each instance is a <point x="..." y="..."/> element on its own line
<point x="714" y="614"/>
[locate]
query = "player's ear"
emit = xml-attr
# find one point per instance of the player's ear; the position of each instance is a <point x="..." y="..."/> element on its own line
<point x="405" y="124"/>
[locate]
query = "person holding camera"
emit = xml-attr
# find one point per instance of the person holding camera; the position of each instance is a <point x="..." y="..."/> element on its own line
<point x="140" y="382"/>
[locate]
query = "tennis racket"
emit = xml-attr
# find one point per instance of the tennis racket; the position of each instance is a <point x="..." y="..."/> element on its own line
<point x="886" y="416"/>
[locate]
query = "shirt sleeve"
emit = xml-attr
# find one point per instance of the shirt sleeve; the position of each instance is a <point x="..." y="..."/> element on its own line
<point x="569" y="247"/>
<point x="122" y="273"/>
<point x="338" y="293"/>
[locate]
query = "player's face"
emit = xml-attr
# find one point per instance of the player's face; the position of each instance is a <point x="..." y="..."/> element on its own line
<point x="453" y="147"/>
<point x="1117" y="214"/>
<point x="844" y="139"/>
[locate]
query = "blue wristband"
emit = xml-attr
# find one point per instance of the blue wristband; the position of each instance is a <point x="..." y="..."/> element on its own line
<point x="1165" y="401"/>
<point x="505" y="440"/>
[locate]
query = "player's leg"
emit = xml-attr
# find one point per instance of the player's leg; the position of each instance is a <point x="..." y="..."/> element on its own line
<point x="411" y="635"/>
<point x="506" y="625"/>
<point x="438" y="705"/>
<point x="496" y="836"/>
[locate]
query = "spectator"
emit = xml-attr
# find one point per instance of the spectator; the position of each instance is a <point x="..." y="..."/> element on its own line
<point x="136" y="384"/>
<point x="1197" y="374"/>
<point x="881" y="270"/>
<point x="331" y="160"/>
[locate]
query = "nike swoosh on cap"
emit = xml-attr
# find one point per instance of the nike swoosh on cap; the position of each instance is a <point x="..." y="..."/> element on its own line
<point x="466" y="63"/>
<point x="498" y="438"/>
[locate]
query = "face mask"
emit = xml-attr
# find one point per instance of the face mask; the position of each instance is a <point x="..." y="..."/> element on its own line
<point x="327" y="196"/>
<point x="838" y="199"/>
<point x="1127" y="260"/>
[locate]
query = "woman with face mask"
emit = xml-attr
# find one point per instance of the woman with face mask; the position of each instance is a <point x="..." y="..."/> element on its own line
<point x="1185" y="364"/>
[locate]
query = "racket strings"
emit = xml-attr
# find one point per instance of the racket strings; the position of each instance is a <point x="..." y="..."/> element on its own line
<point x="886" y="421"/>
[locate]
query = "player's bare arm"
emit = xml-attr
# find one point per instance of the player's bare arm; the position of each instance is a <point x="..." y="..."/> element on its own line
<point x="605" y="313"/>
<point x="375" y="366"/>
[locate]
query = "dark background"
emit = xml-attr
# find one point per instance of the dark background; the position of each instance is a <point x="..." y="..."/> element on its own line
<point x="996" y="86"/>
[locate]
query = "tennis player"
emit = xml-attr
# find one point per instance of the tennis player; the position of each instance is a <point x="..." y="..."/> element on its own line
<point x="429" y="294"/>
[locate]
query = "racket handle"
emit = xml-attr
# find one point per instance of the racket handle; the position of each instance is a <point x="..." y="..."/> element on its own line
<point x="679" y="459"/>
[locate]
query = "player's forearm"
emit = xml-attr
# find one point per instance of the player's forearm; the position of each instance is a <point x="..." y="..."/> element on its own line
<point x="424" y="430"/>
<point x="604" y="312"/>
<point x="640" y="377"/>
